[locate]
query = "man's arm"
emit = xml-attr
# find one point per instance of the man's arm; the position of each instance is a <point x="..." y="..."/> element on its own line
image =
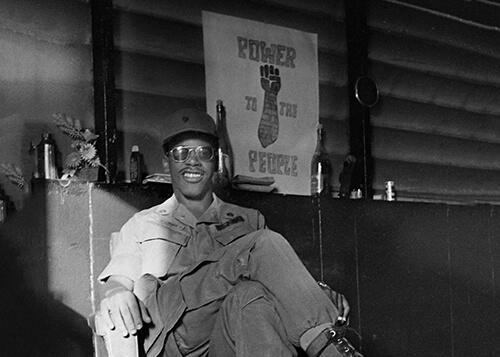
<point x="120" y="308"/>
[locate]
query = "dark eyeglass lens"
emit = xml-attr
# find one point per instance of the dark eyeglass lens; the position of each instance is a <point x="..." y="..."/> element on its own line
<point x="180" y="153"/>
<point x="204" y="153"/>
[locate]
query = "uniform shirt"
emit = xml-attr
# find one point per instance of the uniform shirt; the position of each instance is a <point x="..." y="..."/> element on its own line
<point x="165" y="240"/>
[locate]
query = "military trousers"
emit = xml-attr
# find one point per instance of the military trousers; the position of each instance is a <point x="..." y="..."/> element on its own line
<point x="253" y="297"/>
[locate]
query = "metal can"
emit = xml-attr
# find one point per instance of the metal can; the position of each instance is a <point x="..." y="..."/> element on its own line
<point x="390" y="193"/>
<point x="356" y="194"/>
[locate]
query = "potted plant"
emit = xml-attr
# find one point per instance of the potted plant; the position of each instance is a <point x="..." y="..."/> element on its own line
<point x="83" y="162"/>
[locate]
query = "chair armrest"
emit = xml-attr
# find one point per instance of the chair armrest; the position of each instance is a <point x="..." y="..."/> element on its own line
<point x="116" y="344"/>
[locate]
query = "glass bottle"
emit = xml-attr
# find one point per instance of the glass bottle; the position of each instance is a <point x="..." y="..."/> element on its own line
<point x="46" y="158"/>
<point x="135" y="165"/>
<point x="33" y="153"/>
<point x="321" y="167"/>
<point x="3" y="206"/>
<point x="224" y="174"/>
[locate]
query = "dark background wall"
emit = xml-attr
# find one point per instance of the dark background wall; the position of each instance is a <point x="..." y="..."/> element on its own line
<point x="422" y="278"/>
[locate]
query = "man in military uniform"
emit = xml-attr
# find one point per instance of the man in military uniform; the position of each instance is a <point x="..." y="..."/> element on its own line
<point x="210" y="277"/>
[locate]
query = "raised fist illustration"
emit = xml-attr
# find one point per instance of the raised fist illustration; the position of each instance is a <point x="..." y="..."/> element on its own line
<point x="270" y="81"/>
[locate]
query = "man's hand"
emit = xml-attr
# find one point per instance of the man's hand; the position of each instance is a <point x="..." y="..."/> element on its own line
<point x="342" y="305"/>
<point x="121" y="309"/>
<point x="339" y="301"/>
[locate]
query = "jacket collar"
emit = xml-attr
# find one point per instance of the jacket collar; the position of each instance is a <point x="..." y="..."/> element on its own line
<point x="171" y="207"/>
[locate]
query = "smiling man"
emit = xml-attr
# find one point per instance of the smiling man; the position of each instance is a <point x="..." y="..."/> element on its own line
<point x="196" y="276"/>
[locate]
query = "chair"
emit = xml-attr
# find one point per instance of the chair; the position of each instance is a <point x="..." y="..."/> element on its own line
<point x="116" y="344"/>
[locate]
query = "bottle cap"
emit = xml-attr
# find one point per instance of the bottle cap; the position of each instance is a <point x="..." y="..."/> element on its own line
<point x="135" y="148"/>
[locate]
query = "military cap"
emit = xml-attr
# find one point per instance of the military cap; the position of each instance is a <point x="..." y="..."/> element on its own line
<point x="188" y="120"/>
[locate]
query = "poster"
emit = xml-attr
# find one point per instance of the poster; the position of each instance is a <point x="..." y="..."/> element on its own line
<point x="267" y="79"/>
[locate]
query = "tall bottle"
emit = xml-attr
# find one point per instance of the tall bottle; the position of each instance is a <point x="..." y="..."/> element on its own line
<point x="135" y="165"/>
<point x="3" y="205"/>
<point x="46" y="158"/>
<point x="225" y="165"/>
<point x="321" y="167"/>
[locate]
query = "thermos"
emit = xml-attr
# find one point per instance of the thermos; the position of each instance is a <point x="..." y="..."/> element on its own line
<point x="46" y="158"/>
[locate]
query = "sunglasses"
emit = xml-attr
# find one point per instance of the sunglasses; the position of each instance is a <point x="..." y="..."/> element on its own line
<point x="182" y="153"/>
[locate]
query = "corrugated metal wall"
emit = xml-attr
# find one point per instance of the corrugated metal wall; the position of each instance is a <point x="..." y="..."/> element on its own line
<point x="435" y="128"/>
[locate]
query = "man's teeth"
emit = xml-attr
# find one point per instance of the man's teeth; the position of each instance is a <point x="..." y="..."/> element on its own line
<point x="192" y="175"/>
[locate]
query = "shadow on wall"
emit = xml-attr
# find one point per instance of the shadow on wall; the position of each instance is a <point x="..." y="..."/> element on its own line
<point x="34" y="323"/>
<point x="51" y="252"/>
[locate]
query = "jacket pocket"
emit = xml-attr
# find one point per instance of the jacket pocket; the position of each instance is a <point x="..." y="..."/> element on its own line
<point x="226" y="233"/>
<point x="160" y="249"/>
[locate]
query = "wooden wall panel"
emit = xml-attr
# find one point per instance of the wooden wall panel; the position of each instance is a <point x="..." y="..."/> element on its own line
<point x="392" y="17"/>
<point x="417" y="181"/>
<point x="436" y="126"/>
<point x="330" y="34"/>
<point x="333" y="102"/>
<point x="434" y="149"/>
<point x="484" y="12"/>
<point x="396" y="113"/>
<point x="403" y="279"/>
<point x="421" y="278"/>
<point x="184" y="42"/>
<point x="146" y="34"/>
<point x="167" y="77"/>
<point x="419" y="55"/>
<point x="318" y="7"/>
<point x="438" y="109"/>
<point x="473" y="286"/>
<point x="441" y="91"/>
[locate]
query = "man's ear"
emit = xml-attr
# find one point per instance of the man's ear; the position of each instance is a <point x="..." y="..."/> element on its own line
<point x="166" y="166"/>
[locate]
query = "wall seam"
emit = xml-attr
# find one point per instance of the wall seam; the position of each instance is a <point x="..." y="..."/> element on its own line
<point x="490" y="250"/>
<point x="450" y="282"/>
<point x="358" y="291"/>
<point x="91" y="249"/>
<point x="320" y="233"/>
